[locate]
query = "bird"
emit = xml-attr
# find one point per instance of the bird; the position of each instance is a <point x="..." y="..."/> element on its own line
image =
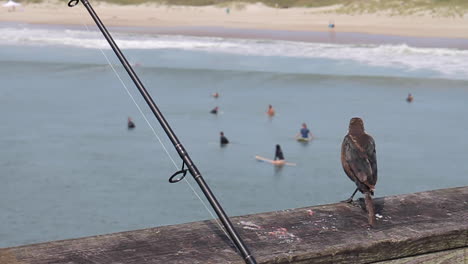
<point x="359" y="161"/>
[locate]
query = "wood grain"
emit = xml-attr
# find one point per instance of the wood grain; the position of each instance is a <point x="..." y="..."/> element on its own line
<point x="408" y="225"/>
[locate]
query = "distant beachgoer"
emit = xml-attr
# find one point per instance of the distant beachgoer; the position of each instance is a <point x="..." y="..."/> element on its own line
<point x="278" y="153"/>
<point x="304" y="132"/>
<point x="270" y="111"/>
<point x="130" y="123"/>
<point x="410" y="98"/>
<point x="215" y="110"/>
<point x="11" y="5"/>
<point x="228" y="10"/>
<point x="215" y="95"/>
<point x="223" y="139"/>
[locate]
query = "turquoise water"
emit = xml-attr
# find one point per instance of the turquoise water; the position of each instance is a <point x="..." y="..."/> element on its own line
<point x="70" y="167"/>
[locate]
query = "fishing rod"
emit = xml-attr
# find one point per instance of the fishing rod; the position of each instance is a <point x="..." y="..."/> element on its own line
<point x="187" y="161"/>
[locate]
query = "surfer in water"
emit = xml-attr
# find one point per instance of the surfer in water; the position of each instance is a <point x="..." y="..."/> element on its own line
<point x="223" y="139"/>
<point x="304" y="132"/>
<point x="278" y="153"/>
<point x="214" y="110"/>
<point x="215" y="95"/>
<point x="130" y="123"/>
<point x="410" y="98"/>
<point x="270" y="111"/>
<point x="279" y="158"/>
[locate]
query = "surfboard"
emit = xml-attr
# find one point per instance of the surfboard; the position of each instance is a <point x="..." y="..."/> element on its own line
<point x="274" y="162"/>
<point x="301" y="139"/>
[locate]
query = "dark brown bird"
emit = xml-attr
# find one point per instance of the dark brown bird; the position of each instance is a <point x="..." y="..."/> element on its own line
<point x="360" y="163"/>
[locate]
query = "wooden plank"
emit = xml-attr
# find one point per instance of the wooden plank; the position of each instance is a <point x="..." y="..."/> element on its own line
<point x="411" y="224"/>
<point x="455" y="256"/>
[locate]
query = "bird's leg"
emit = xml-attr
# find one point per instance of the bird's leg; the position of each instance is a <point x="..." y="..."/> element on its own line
<point x="350" y="199"/>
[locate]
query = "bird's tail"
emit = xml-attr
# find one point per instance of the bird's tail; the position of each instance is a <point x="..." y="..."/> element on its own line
<point x="370" y="209"/>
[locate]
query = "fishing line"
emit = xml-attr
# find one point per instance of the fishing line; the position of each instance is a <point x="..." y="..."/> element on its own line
<point x="154" y="131"/>
<point x="187" y="161"/>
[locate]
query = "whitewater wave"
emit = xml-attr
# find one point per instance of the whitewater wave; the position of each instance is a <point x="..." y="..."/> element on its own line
<point x="452" y="63"/>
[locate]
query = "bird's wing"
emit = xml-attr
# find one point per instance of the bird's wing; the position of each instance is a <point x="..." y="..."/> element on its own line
<point x="357" y="160"/>
<point x="370" y="149"/>
<point x="345" y="158"/>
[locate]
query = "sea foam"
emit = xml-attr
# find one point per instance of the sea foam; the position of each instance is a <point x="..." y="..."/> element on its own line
<point x="447" y="63"/>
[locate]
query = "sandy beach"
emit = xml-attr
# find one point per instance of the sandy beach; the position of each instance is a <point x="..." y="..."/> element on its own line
<point x="256" y="16"/>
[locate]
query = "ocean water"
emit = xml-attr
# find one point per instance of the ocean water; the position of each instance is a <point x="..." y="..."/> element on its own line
<point x="71" y="168"/>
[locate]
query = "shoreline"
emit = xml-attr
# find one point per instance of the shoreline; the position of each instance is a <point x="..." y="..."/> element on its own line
<point x="330" y="37"/>
<point x="253" y="22"/>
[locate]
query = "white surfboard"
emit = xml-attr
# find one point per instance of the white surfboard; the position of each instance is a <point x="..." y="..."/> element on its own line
<point x="274" y="162"/>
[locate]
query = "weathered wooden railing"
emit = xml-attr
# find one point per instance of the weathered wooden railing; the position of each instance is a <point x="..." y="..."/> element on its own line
<point x="426" y="227"/>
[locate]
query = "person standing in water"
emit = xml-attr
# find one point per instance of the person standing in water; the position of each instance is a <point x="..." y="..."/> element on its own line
<point x="410" y="98"/>
<point x="278" y="153"/>
<point x="270" y="111"/>
<point x="214" y="110"/>
<point x="223" y="139"/>
<point x="304" y="132"/>
<point x="130" y="123"/>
